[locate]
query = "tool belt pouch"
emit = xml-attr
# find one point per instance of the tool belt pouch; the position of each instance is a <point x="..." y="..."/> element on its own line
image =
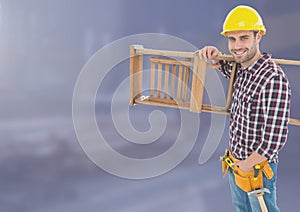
<point x="246" y="180"/>
<point x="225" y="166"/>
<point x="268" y="172"/>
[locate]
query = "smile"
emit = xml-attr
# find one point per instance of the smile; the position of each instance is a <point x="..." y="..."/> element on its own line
<point x="239" y="52"/>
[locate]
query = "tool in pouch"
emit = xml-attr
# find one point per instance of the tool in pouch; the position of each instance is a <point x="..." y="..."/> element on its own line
<point x="256" y="171"/>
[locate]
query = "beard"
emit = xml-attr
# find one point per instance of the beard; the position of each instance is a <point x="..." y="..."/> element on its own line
<point x="245" y="58"/>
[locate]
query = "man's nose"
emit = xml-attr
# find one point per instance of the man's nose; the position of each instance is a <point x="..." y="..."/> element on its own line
<point x="237" y="44"/>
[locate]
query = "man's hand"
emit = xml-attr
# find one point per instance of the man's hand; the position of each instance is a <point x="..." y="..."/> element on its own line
<point x="244" y="166"/>
<point x="208" y="53"/>
<point x="248" y="164"/>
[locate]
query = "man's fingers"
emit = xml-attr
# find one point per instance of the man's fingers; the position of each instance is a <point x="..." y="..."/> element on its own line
<point x="205" y="53"/>
<point x="208" y="53"/>
<point x="201" y="54"/>
<point x="212" y="54"/>
<point x="215" y="54"/>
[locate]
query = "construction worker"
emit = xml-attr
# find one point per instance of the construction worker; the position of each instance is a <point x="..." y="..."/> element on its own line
<point x="260" y="106"/>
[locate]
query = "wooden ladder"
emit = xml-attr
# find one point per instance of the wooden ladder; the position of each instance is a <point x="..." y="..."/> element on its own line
<point x="177" y="79"/>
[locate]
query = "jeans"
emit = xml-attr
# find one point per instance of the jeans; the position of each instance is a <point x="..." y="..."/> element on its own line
<point x="245" y="203"/>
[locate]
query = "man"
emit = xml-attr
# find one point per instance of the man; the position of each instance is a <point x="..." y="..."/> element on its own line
<point x="260" y="106"/>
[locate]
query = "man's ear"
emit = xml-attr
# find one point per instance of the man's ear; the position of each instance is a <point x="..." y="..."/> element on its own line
<point x="259" y="36"/>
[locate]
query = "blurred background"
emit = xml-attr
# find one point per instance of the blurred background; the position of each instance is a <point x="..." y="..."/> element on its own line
<point x="43" y="47"/>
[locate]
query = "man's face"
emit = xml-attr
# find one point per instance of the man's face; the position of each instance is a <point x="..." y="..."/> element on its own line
<point x="243" y="45"/>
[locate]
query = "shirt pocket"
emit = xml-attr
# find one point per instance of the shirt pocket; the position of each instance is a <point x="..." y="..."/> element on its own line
<point x="245" y="105"/>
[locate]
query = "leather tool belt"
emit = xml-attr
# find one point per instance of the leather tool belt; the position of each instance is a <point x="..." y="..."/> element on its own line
<point x="247" y="181"/>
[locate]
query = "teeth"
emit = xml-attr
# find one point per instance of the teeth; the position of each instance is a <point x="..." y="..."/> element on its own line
<point x="239" y="52"/>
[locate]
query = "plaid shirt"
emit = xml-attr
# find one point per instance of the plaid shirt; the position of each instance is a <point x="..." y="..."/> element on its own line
<point x="260" y="109"/>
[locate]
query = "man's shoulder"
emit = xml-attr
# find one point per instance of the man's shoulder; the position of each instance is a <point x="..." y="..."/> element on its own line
<point x="271" y="72"/>
<point x="271" y="69"/>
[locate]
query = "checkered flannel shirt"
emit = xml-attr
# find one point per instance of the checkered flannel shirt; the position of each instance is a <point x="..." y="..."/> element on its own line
<point x="260" y="109"/>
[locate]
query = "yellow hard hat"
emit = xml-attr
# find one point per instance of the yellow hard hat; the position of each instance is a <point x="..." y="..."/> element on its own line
<point x="243" y="18"/>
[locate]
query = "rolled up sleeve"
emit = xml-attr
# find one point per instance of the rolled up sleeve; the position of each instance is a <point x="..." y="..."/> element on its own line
<point x="275" y="104"/>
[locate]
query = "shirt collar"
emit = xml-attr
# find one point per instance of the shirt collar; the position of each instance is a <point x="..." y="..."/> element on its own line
<point x="258" y="64"/>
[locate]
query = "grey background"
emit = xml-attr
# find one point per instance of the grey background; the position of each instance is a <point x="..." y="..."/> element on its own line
<point x="44" y="45"/>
